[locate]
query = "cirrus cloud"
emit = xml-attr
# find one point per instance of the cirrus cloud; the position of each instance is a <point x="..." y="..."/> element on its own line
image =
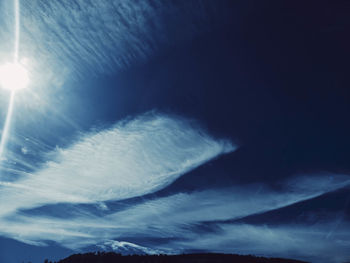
<point x="133" y="158"/>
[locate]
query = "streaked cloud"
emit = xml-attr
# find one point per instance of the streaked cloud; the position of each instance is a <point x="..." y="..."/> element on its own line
<point x="133" y="158"/>
<point x="139" y="156"/>
<point x="76" y="37"/>
<point x="292" y="241"/>
<point x="63" y="42"/>
<point x="198" y="220"/>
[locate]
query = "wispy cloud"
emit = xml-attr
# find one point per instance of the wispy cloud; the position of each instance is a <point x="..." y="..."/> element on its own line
<point x="197" y="222"/>
<point x="77" y="36"/>
<point x="70" y="40"/>
<point x="293" y="241"/>
<point x="139" y="156"/>
<point x="132" y="158"/>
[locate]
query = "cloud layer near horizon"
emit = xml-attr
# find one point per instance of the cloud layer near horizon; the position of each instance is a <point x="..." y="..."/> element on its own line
<point x="134" y="158"/>
<point x="193" y="221"/>
<point x="142" y="155"/>
<point x="197" y="221"/>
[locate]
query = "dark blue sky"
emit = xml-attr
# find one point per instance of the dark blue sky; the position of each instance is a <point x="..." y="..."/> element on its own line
<point x="179" y="126"/>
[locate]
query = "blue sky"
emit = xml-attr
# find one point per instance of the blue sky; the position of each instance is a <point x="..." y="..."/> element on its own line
<point x="177" y="126"/>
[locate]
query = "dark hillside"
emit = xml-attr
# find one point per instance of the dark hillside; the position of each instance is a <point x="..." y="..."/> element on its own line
<point x="185" y="258"/>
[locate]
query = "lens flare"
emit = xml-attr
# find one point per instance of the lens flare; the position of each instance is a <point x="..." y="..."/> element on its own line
<point x="6" y="129"/>
<point x="13" y="76"/>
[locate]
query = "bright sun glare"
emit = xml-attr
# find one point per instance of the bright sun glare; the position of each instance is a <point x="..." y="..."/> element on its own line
<point x="13" y="76"/>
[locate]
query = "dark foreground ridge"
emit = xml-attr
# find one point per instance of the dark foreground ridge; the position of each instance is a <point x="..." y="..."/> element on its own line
<point x="111" y="257"/>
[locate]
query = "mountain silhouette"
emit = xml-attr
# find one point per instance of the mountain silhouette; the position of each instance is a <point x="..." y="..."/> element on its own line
<point x="111" y="257"/>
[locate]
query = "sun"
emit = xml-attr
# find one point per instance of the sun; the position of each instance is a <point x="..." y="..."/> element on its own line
<point x="13" y="76"/>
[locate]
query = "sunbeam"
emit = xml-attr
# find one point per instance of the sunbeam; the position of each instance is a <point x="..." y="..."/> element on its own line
<point x="6" y="129"/>
<point x="17" y="35"/>
<point x="13" y="76"/>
